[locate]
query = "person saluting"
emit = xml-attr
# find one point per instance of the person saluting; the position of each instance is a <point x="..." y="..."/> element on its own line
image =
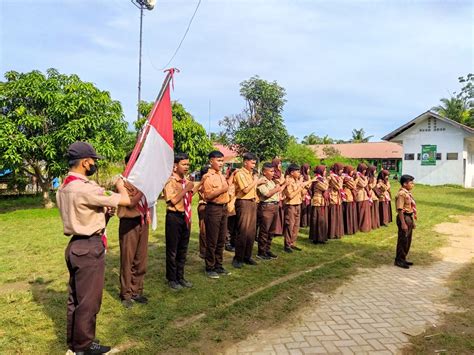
<point x="84" y="207"/>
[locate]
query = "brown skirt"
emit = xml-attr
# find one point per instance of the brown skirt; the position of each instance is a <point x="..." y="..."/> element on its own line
<point x="318" y="227"/>
<point x="384" y="214"/>
<point x="305" y="215"/>
<point x="280" y="220"/>
<point x="336" y="222"/>
<point x="363" y="211"/>
<point x="349" y="211"/>
<point x="374" y="213"/>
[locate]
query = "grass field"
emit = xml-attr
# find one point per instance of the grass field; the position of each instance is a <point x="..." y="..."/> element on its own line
<point x="33" y="279"/>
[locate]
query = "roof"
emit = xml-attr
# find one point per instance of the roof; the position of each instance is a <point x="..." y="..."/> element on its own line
<point x="371" y="150"/>
<point x="229" y="154"/>
<point x="421" y="117"/>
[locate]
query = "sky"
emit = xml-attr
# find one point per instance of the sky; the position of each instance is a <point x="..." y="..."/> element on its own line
<point x="344" y="64"/>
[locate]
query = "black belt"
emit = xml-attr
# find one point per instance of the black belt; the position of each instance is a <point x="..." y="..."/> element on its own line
<point x="77" y="236"/>
<point x="217" y="204"/>
<point x="176" y="212"/>
<point x="246" y="199"/>
<point x="408" y="213"/>
<point x="269" y="203"/>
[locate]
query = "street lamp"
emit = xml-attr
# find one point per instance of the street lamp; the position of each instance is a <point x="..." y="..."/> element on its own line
<point x="149" y="5"/>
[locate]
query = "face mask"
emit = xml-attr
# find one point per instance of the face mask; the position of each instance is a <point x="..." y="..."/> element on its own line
<point x="92" y="170"/>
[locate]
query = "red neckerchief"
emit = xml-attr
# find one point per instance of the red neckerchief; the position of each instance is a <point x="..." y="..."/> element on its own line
<point x="342" y="193"/>
<point x="187" y="198"/>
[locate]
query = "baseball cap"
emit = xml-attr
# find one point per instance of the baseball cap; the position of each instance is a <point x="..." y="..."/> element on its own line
<point x="80" y="150"/>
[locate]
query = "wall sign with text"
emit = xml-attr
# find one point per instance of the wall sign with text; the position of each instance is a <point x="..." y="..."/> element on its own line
<point x="428" y="155"/>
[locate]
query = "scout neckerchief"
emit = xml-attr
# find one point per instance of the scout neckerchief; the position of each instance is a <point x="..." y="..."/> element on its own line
<point x="187" y="204"/>
<point x="412" y="203"/>
<point x="369" y="193"/>
<point x="342" y="193"/>
<point x="325" y="193"/>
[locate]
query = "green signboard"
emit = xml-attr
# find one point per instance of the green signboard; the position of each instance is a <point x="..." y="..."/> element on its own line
<point x="428" y="155"/>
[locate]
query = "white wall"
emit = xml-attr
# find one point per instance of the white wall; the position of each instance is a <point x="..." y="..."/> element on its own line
<point x="448" y="139"/>
<point x="469" y="156"/>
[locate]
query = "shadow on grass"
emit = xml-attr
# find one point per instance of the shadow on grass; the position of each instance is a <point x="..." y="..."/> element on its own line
<point x="15" y="203"/>
<point x="449" y="206"/>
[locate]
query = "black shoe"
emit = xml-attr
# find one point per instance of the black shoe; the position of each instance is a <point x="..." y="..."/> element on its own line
<point x="229" y="247"/>
<point x="212" y="274"/>
<point x="409" y="263"/>
<point x="401" y="264"/>
<point x="174" y="285"/>
<point x="271" y="255"/>
<point x="95" y="349"/>
<point x="263" y="257"/>
<point x="140" y="299"/>
<point x="237" y="264"/>
<point x="294" y="247"/>
<point x="288" y="250"/>
<point x="185" y="283"/>
<point x="250" y="261"/>
<point x="222" y="271"/>
<point x="127" y="303"/>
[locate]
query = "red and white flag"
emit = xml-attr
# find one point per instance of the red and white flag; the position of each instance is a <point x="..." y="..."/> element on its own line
<point x="151" y="162"/>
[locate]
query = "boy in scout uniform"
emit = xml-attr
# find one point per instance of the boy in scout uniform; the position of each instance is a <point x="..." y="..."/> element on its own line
<point x="178" y="193"/>
<point x="201" y="213"/>
<point x="246" y="211"/>
<point x="215" y="187"/>
<point x="269" y="196"/>
<point x="406" y="209"/>
<point x="83" y="206"/>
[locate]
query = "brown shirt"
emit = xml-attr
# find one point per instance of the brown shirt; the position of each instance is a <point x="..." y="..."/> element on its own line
<point x="129" y="212"/>
<point x="349" y="185"/>
<point x="335" y="187"/>
<point x="82" y="205"/>
<point x="173" y="187"/>
<point x="242" y="179"/>
<point x="384" y="188"/>
<point x="403" y="200"/>
<point x="372" y="184"/>
<point x="319" y="187"/>
<point x="290" y="189"/>
<point x="361" y="188"/>
<point x="212" y="181"/>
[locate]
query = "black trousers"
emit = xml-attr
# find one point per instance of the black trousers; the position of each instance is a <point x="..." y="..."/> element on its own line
<point x="85" y="260"/>
<point x="404" y="238"/>
<point x="177" y="241"/>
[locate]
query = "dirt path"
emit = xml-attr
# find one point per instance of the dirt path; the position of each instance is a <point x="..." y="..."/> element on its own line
<point x="368" y="315"/>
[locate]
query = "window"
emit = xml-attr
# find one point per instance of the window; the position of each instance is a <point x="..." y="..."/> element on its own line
<point x="409" y="156"/>
<point x="452" y="156"/>
<point x="418" y="156"/>
<point x="438" y="156"/>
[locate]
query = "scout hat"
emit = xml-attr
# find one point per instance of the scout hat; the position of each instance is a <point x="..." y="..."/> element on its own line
<point x="80" y="150"/>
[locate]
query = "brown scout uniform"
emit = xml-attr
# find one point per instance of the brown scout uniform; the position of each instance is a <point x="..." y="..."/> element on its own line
<point x="363" y="206"/>
<point x="268" y="216"/>
<point x="202" y="225"/>
<point x="292" y="208"/>
<point x="215" y="218"/>
<point x="349" y="208"/>
<point x="336" y="218"/>
<point x="133" y="239"/>
<point x="231" y="216"/>
<point x="177" y="231"/>
<point x="246" y="212"/>
<point x="404" y="203"/>
<point x="384" y="202"/>
<point x="82" y="205"/>
<point x="319" y="223"/>
<point x="374" y="207"/>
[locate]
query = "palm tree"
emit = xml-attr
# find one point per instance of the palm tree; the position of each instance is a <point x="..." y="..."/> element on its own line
<point x="310" y="139"/>
<point x="358" y="136"/>
<point x="455" y="109"/>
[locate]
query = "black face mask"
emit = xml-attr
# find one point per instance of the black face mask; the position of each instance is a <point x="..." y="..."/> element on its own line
<point x="92" y="170"/>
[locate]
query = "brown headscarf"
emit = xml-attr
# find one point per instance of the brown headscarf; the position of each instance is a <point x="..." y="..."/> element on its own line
<point x="361" y="167"/>
<point x="320" y="169"/>
<point x="276" y="162"/>
<point x="336" y="168"/>
<point x="305" y="171"/>
<point x="348" y="170"/>
<point x="371" y="171"/>
<point x="383" y="175"/>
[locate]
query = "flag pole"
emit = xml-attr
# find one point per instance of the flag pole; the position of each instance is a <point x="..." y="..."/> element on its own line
<point x="146" y="126"/>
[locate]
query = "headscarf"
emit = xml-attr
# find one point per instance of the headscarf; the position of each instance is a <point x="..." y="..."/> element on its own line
<point x="276" y="162"/>
<point x="320" y="169"/>
<point x="336" y="168"/>
<point x="348" y="170"/>
<point x="383" y="174"/>
<point x="305" y="171"/>
<point x="371" y="171"/>
<point x="361" y="167"/>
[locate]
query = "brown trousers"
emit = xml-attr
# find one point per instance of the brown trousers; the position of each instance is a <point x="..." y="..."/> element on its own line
<point x="232" y="229"/>
<point x="349" y="210"/>
<point x="365" y="218"/>
<point x="318" y="228"/>
<point x="336" y="222"/>
<point x="375" y="216"/>
<point x="85" y="260"/>
<point x="202" y="230"/>
<point x="404" y="238"/>
<point x="268" y="214"/>
<point x="133" y="239"/>
<point x="246" y="212"/>
<point x="216" y="231"/>
<point x="305" y="215"/>
<point x="177" y="241"/>
<point x="280" y="220"/>
<point x="291" y="227"/>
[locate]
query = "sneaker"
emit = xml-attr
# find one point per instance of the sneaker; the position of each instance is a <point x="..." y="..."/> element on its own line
<point x="288" y="250"/>
<point x="263" y="257"/>
<point x="94" y="349"/>
<point x="294" y="247"/>
<point x="185" y="283"/>
<point x="237" y="264"/>
<point x="222" y="271"/>
<point x="229" y="247"/>
<point x="271" y="255"/>
<point x="174" y="285"/>
<point x="127" y="303"/>
<point x="401" y="264"/>
<point x="140" y="299"/>
<point x="250" y="261"/>
<point x="212" y="274"/>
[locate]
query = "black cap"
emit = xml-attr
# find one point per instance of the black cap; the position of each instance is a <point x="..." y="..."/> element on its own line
<point x="81" y="150"/>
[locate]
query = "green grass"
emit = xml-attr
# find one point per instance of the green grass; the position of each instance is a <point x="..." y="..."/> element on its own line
<point x="33" y="279"/>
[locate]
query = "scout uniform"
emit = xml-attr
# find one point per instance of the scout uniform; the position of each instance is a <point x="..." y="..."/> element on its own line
<point x="215" y="219"/>
<point x="246" y="212"/>
<point x="202" y="225"/>
<point x="292" y="209"/>
<point x="319" y="223"/>
<point x="231" y="219"/>
<point x="82" y="205"/>
<point x="268" y="216"/>
<point x="374" y="205"/>
<point x="349" y="208"/>
<point x="406" y="203"/>
<point x="177" y="228"/>
<point x="384" y="202"/>
<point x="336" y="217"/>
<point x="363" y="205"/>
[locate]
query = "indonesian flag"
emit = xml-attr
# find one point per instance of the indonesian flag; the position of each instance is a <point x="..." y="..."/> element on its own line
<point x="151" y="162"/>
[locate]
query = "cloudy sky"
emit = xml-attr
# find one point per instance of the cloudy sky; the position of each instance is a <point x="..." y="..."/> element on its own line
<point x="344" y="64"/>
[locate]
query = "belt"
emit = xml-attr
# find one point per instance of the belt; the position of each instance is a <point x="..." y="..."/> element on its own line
<point x="246" y="199"/>
<point x="269" y="203"/>
<point x="77" y="236"/>
<point x="176" y="212"/>
<point x="217" y="204"/>
<point x="408" y="213"/>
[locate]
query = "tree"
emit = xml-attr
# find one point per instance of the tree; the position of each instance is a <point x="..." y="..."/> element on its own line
<point x="358" y="136"/>
<point x="41" y="115"/>
<point x="260" y="128"/>
<point x="190" y="137"/>
<point x="313" y="139"/>
<point x="459" y="107"/>
<point x="299" y="154"/>
<point x="219" y="137"/>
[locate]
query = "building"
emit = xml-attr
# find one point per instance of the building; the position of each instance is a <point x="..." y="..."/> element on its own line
<point x="384" y="155"/>
<point x="436" y="150"/>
